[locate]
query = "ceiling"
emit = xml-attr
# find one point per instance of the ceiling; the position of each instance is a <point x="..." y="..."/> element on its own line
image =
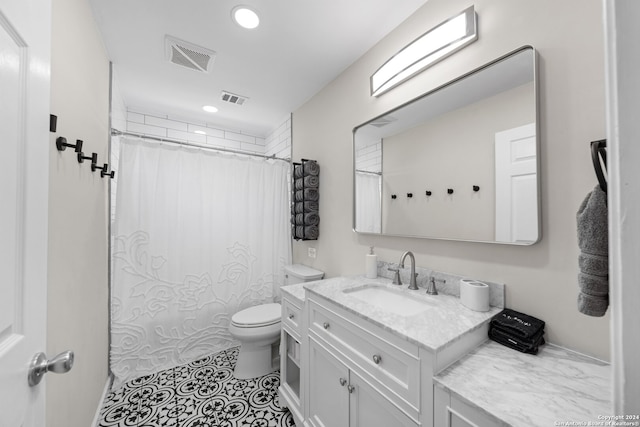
<point x="299" y="47"/>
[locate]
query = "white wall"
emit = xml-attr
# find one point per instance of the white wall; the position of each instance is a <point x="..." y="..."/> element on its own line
<point x="541" y="279"/>
<point x="78" y="258"/>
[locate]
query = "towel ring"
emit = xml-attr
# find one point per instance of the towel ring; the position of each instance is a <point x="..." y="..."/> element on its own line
<point x="598" y="150"/>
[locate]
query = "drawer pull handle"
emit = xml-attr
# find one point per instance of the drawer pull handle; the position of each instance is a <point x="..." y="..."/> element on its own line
<point x="325" y="325"/>
<point x="377" y="359"/>
<point x="351" y="388"/>
<point x="343" y="382"/>
<point x="291" y="316"/>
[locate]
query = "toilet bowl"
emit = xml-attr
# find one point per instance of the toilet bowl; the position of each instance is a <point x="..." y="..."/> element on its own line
<point x="257" y="328"/>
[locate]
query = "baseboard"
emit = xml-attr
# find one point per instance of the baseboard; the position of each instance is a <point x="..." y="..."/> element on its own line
<point x="107" y="387"/>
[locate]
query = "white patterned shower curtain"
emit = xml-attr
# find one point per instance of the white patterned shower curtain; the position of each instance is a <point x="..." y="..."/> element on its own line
<point x="198" y="235"/>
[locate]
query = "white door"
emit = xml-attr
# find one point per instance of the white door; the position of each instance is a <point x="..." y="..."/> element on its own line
<point x="25" y="33"/>
<point x="516" y="185"/>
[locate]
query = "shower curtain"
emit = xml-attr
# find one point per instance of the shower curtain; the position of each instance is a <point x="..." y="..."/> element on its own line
<point x="198" y="236"/>
<point x="368" y="199"/>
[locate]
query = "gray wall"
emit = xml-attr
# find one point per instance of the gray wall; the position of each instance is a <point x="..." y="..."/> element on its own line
<point x="77" y="316"/>
<point x="540" y="279"/>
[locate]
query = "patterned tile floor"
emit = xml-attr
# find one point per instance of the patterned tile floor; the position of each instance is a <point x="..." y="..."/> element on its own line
<point x="203" y="393"/>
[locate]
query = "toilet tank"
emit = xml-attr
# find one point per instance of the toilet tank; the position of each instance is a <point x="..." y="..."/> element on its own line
<point x="298" y="273"/>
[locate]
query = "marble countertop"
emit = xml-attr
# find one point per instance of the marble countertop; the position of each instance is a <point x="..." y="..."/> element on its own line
<point x="556" y="385"/>
<point x="433" y="329"/>
<point x="295" y="292"/>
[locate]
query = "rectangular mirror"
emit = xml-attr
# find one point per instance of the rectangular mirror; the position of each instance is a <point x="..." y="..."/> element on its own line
<point x="460" y="162"/>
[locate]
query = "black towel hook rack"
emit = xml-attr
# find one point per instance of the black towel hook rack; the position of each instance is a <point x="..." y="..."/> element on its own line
<point x="598" y="151"/>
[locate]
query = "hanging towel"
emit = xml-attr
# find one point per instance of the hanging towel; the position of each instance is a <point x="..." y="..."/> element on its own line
<point x="311" y="232"/>
<point x="310" y="194"/>
<point x="307" y="182"/>
<point x="311" y="168"/>
<point x="593" y="261"/>
<point x="301" y="207"/>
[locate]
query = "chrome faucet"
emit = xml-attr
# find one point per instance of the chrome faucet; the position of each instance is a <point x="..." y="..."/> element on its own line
<point x="412" y="278"/>
<point x="432" y="290"/>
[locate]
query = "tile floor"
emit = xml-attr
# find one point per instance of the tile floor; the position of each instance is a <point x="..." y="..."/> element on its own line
<point x="203" y="393"/>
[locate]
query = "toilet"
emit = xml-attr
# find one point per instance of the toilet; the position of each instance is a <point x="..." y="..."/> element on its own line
<point x="258" y="327"/>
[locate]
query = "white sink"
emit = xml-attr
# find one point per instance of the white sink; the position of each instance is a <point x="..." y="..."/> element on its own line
<point x="396" y="301"/>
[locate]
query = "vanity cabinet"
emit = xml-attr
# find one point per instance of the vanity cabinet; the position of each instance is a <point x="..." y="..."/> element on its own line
<point x="452" y="411"/>
<point x="360" y="374"/>
<point x="291" y="388"/>
<point x="341" y="398"/>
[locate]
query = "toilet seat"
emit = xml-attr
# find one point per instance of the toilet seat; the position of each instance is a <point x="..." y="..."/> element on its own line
<point x="258" y="316"/>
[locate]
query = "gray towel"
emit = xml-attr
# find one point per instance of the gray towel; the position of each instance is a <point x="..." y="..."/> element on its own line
<point x="301" y="207"/>
<point x="593" y="261"/>
<point x="307" y="182"/>
<point x="308" y="194"/>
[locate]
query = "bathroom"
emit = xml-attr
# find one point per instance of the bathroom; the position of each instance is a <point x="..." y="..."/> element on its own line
<point x="540" y="279"/>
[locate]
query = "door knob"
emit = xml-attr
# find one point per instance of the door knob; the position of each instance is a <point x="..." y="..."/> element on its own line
<point x="325" y="325"/>
<point x="377" y="359"/>
<point x="39" y="366"/>
<point x="351" y="388"/>
<point x="343" y="382"/>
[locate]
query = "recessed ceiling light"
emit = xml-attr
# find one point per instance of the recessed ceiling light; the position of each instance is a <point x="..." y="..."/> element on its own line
<point x="245" y="17"/>
<point x="210" y="109"/>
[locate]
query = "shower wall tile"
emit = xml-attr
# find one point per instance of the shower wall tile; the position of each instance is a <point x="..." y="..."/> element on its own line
<point x="187" y="136"/>
<point x="165" y="123"/>
<point x="240" y="137"/>
<point x="277" y="143"/>
<point x="135" y="117"/>
<point x="208" y="130"/>
<point x="146" y="129"/>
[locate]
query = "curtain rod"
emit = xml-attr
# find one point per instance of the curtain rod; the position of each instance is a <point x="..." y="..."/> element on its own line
<point x="116" y="132"/>
<point x="369" y="172"/>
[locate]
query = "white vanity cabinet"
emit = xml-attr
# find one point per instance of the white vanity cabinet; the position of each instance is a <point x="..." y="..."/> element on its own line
<point x="452" y="411"/>
<point x="340" y="397"/>
<point x="291" y="388"/>
<point x="360" y="374"/>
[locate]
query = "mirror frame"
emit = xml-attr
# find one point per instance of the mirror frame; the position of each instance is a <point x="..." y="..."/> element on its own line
<point x="433" y="91"/>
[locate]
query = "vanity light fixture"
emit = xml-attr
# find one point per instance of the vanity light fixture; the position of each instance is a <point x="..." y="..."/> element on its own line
<point x="210" y="109"/>
<point x="200" y="132"/>
<point x="431" y="47"/>
<point x="245" y="17"/>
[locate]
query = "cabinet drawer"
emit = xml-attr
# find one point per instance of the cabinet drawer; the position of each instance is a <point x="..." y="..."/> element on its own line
<point x="394" y="365"/>
<point x="291" y="317"/>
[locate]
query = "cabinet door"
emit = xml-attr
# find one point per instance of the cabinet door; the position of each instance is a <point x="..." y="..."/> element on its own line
<point x="370" y="408"/>
<point x="328" y="395"/>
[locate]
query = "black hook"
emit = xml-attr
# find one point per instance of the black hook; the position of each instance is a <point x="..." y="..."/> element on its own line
<point x="449" y="190"/>
<point x="393" y="196"/>
<point x="428" y="193"/>
<point x="93" y="158"/>
<point x="104" y="170"/>
<point x="104" y="173"/>
<point x="61" y="144"/>
<point x="476" y="188"/>
<point x="409" y="195"/>
<point x="53" y="123"/>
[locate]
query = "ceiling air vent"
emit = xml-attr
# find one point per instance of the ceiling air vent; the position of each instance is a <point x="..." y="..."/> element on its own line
<point x="233" y="98"/>
<point x="188" y="54"/>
